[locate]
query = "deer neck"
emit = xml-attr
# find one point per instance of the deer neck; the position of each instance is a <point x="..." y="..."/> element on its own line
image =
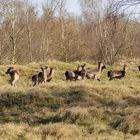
<point x="100" y="70"/>
<point x="124" y="68"/>
<point x="12" y="74"/>
<point x="44" y="73"/>
<point x="99" y="65"/>
<point x="51" y="72"/>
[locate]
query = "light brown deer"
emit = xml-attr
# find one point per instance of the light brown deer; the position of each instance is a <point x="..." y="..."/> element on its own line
<point x="14" y="76"/>
<point x="96" y="74"/>
<point x="40" y="77"/>
<point x="117" y="74"/>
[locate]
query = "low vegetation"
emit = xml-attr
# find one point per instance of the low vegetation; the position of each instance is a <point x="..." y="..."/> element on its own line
<point x="70" y="110"/>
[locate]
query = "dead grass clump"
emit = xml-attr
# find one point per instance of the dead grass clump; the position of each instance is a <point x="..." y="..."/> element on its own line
<point x="62" y="131"/>
<point x="131" y="123"/>
<point x="132" y="101"/>
<point x="75" y="114"/>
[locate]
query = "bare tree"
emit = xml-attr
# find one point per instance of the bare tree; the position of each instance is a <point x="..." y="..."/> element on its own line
<point x="49" y="9"/>
<point x="30" y="16"/>
<point x="11" y="12"/>
<point x="111" y="30"/>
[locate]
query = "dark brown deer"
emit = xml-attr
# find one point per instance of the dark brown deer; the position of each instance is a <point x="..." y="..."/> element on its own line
<point x="14" y="76"/>
<point x="75" y="74"/>
<point x="40" y="77"/>
<point x="117" y="74"/>
<point x="72" y="74"/>
<point x="96" y="74"/>
<point x="51" y="74"/>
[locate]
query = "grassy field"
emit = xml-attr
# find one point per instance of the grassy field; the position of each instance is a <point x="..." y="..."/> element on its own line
<point x="64" y="110"/>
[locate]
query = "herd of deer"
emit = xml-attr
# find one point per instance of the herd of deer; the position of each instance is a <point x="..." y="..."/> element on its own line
<point x="39" y="78"/>
<point x="79" y="74"/>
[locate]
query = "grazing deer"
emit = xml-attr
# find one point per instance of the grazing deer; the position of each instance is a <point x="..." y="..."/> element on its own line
<point x="74" y="74"/>
<point x="96" y="74"/>
<point x="70" y="75"/>
<point x="40" y="77"/>
<point x="117" y="74"/>
<point x="51" y="74"/>
<point x="14" y="75"/>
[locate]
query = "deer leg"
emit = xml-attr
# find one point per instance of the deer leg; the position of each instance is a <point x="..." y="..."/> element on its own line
<point x="34" y="83"/>
<point x="110" y="79"/>
<point x="98" y="79"/>
<point x="14" y="83"/>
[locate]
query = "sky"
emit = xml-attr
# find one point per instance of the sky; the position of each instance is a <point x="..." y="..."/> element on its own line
<point x="72" y="6"/>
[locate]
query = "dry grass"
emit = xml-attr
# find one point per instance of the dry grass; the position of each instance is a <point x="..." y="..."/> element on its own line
<point x="63" y="110"/>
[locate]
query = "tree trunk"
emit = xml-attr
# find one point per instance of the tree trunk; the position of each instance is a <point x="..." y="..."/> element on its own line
<point x="30" y="43"/>
<point x="13" y="41"/>
<point x="12" y="37"/>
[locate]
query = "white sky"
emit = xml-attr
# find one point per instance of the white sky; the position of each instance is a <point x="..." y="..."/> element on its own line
<point x="72" y="6"/>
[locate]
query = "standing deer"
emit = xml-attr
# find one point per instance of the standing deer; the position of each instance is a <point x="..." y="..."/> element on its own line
<point x="81" y="73"/>
<point x="51" y="74"/>
<point x="40" y="77"/>
<point x="96" y="74"/>
<point x="13" y="74"/>
<point x="117" y="74"/>
<point x="94" y="70"/>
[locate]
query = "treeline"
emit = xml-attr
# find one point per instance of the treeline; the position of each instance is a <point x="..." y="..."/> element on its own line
<point x="98" y="34"/>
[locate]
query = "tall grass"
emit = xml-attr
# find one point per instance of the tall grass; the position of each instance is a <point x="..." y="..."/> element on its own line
<point x="64" y="110"/>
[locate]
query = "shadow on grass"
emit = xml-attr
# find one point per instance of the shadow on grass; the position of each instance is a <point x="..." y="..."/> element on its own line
<point x="18" y="107"/>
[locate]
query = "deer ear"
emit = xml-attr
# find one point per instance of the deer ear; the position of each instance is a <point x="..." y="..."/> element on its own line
<point x="41" y="67"/>
<point x="83" y="65"/>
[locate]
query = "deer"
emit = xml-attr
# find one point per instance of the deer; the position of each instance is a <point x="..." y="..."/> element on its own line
<point x="89" y="69"/>
<point x="51" y="74"/>
<point x="81" y="73"/>
<point x="40" y="77"/>
<point x="14" y="76"/>
<point x="70" y="74"/>
<point x="96" y="74"/>
<point x="77" y="74"/>
<point x="117" y="74"/>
